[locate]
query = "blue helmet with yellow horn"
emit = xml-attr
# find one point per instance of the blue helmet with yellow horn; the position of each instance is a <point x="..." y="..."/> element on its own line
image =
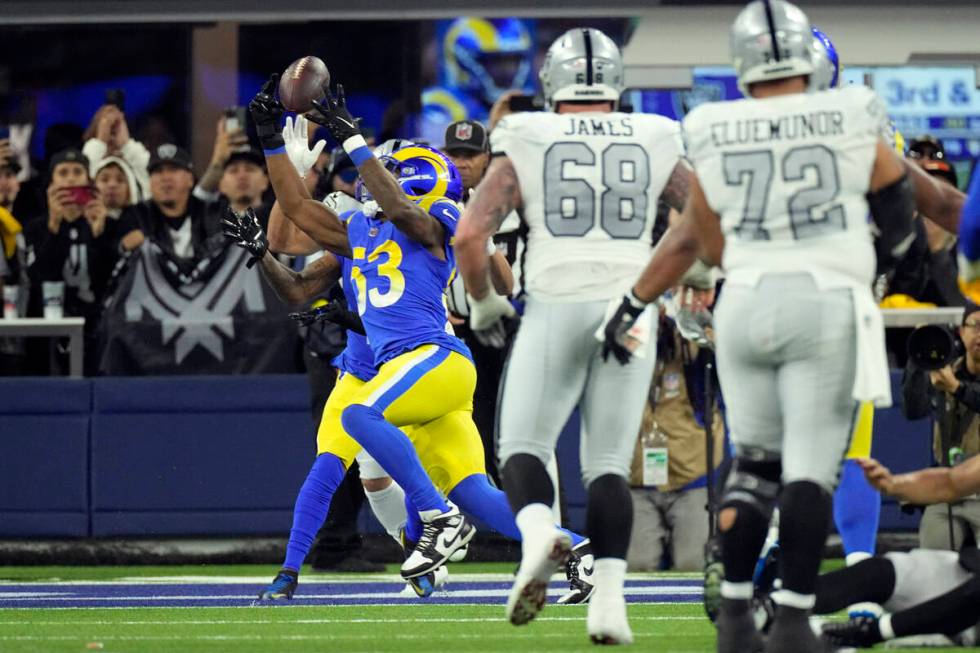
<point x="421" y="171"/>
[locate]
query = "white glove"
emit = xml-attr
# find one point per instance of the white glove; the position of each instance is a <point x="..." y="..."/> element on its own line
<point x="297" y="145"/>
<point x="495" y="336"/>
<point x="486" y="312"/>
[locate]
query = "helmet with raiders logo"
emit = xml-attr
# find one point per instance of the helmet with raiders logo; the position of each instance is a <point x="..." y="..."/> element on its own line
<point x="771" y="40"/>
<point x="582" y="65"/>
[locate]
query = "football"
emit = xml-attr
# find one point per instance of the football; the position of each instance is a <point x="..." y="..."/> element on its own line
<point x="302" y="82"/>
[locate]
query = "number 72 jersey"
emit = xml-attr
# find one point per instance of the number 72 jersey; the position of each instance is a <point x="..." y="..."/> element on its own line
<point x="590" y="184"/>
<point x="788" y="176"/>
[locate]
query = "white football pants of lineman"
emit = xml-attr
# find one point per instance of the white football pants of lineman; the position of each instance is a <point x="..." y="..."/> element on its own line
<point x="786" y="363"/>
<point x="555" y="364"/>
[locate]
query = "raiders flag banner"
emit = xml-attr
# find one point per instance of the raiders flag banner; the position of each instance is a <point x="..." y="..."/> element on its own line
<point x="214" y="316"/>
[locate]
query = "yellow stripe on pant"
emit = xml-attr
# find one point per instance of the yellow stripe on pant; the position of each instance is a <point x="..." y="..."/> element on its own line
<point x="863" y="427"/>
<point x="434" y="410"/>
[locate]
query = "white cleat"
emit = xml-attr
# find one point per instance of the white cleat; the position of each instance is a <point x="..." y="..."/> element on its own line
<point x="442" y="535"/>
<point x="607" y="622"/>
<point x="542" y="555"/>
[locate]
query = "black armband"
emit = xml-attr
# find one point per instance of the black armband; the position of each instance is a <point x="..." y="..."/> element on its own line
<point x="893" y="212"/>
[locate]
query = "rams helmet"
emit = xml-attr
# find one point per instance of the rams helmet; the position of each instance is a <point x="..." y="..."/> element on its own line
<point x="485" y="57"/>
<point x="421" y="171"/>
<point x="826" y="62"/>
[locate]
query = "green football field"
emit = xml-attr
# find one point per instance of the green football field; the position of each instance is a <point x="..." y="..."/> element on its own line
<point x="189" y="609"/>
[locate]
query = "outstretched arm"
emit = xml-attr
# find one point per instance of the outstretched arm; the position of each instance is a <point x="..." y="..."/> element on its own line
<point x="314" y="218"/>
<point x="497" y="195"/>
<point x="940" y="202"/>
<point x="926" y="486"/>
<point x="696" y="234"/>
<point x="294" y="287"/>
<point x="411" y="219"/>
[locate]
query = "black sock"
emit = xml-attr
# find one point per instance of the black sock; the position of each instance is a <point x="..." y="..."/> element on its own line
<point x="526" y="481"/>
<point x="871" y="580"/>
<point x="804" y="520"/>
<point x="949" y="613"/>
<point x="742" y="543"/>
<point x="609" y="516"/>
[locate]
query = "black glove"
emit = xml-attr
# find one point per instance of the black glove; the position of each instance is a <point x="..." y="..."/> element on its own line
<point x="332" y="113"/>
<point x="622" y="321"/>
<point x="267" y="113"/>
<point x="859" y="632"/>
<point x="335" y="312"/>
<point x="244" y="230"/>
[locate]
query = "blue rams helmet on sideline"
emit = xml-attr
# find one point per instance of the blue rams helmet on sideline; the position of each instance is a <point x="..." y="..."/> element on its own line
<point x="826" y="63"/>
<point x="486" y="57"/>
<point x="420" y="170"/>
<point x="771" y="40"/>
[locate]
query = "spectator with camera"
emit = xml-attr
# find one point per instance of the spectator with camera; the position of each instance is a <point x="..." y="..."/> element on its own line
<point x="108" y="136"/>
<point x="669" y="475"/>
<point x="950" y="392"/>
<point x="180" y="217"/>
<point x="72" y="249"/>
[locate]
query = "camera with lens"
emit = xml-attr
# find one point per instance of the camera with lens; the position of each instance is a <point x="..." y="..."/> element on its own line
<point x="932" y="347"/>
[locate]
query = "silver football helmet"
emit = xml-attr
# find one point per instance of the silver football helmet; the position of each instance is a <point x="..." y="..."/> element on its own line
<point x="583" y="64"/>
<point x="770" y="40"/>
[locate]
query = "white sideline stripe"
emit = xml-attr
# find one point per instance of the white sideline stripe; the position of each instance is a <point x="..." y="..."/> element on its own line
<point x="320" y="607"/>
<point x="401" y="374"/>
<point x="491" y="593"/>
<point x="313" y="579"/>
<point x="289" y="622"/>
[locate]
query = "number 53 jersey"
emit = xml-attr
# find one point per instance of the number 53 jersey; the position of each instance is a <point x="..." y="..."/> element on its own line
<point x="399" y="284"/>
<point x="788" y="175"/>
<point x="590" y="184"/>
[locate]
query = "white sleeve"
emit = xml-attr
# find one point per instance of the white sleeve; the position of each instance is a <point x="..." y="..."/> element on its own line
<point x="504" y="136"/>
<point x="94" y="150"/>
<point x="138" y="157"/>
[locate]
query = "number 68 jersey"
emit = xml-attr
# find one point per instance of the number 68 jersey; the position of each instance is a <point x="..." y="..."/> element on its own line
<point x="788" y="176"/>
<point x="590" y="184"/>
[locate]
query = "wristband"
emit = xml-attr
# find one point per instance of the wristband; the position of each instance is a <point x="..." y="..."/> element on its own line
<point x="278" y="150"/>
<point x="357" y="149"/>
<point x="635" y="301"/>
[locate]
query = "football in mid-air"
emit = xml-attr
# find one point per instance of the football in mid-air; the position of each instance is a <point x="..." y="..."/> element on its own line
<point x="302" y="82"/>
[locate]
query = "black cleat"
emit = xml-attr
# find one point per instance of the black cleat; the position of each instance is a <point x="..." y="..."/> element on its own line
<point x="282" y="587"/>
<point x="736" y="628"/>
<point x="859" y="632"/>
<point x="578" y="572"/>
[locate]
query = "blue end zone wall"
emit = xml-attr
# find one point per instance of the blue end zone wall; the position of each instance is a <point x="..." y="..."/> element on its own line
<point x="216" y="456"/>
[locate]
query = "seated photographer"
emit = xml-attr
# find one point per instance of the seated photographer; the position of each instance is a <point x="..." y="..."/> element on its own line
<point x="958" y="385"/>
<point x="669" y="471"/>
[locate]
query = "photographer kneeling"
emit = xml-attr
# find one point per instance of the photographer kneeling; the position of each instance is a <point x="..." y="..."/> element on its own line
<point x="957" y="430"/>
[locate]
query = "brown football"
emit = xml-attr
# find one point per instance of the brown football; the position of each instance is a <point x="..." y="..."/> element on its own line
<point x="302" y="82"/>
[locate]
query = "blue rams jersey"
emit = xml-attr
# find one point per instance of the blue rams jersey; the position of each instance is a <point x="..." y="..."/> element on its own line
<point x="357" y="358"/>
<point x="398" y="284"/>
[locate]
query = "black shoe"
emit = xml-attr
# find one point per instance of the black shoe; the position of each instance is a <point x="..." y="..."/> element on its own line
<point x="736" y="628"/>
<point x="351" y="564"/>
<point x="442" y="535"/>
<point x="578" y="572"/>
<point x="282" y="587"/>
<point x="791" y="633"/>
<point x="859" y="632"/>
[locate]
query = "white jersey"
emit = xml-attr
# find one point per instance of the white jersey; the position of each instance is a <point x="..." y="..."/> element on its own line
<point x="590" y="184"/>
<point x="788" y="175"/>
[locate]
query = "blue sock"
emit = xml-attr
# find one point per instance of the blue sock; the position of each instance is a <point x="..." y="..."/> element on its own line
<point x="857" y="507"/>
<point x="413" y="525"/>
<point x="395" y="453"/>
<point x="312" y="505"/>
<point x="477" y="497"/>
